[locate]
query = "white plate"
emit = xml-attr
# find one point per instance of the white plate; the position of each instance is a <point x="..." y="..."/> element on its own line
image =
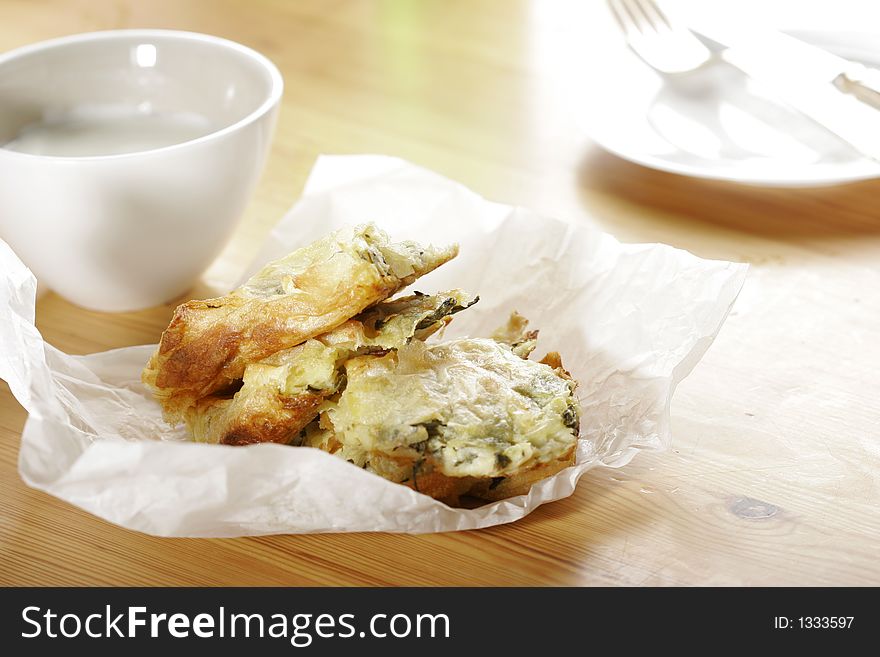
<point x="716" y="123"/>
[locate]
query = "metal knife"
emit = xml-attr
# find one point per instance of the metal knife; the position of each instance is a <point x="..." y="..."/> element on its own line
<point x="841" y="95"/>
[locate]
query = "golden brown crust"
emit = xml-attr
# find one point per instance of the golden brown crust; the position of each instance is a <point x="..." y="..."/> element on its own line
<point x="270" y="419"/>
<point x="208" y="343"/>
<point x="448" y="490"/>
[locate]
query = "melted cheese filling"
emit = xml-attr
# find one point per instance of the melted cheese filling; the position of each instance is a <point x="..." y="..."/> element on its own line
<point x="471" y="405"/>
<point x="315" y="365"/>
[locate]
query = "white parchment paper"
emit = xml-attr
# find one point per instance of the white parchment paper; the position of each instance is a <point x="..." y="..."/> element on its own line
<point x="631" y="321"/>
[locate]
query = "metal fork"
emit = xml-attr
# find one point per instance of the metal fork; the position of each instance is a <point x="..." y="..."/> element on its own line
<point x="659" y="41"/>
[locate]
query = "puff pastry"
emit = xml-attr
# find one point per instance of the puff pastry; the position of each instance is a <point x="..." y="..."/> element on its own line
<point x="282" y="393"/>
<point x="311" y="352"/>
<point x="465" y="417"/>
<point x="208" y="343"/>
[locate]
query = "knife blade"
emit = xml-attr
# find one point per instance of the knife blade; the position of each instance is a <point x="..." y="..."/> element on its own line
<point x="840" y="95"/>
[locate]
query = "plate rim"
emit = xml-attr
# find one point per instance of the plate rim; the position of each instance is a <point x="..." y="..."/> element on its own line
<point x="859" y="170"/>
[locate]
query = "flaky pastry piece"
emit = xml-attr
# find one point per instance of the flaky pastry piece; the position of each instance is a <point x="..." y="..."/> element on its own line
<point x="208" y="343"/>
<point x="282" y="393"/>
<point x="470" y="417"/>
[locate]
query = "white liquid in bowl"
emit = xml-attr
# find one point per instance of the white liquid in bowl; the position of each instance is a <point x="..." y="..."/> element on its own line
<point x="90" y="131"/>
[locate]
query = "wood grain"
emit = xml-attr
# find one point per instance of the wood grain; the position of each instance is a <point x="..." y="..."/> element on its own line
<point x="774" y="473"/>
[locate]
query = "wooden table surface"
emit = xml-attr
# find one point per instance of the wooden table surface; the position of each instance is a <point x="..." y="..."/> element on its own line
<point x="774" y="474"/>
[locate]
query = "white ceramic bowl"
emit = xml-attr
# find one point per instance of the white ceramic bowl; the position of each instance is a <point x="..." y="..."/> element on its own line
<point x="193" y="117"/>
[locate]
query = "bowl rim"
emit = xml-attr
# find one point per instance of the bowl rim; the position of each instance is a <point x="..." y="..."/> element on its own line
<point x="273" y="97"/>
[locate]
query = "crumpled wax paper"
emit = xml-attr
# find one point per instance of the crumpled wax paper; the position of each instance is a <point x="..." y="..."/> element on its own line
<point x="631" y="321"/>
